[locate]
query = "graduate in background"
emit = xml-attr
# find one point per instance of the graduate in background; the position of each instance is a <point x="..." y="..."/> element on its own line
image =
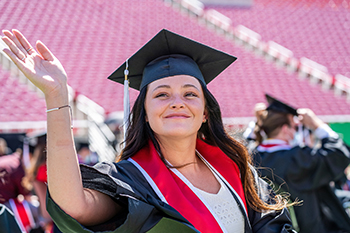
<point x="85" y="155"/>
<point x="179" y="170"/>
<point x="8" y="223"/>
<point x="308" y="172"/>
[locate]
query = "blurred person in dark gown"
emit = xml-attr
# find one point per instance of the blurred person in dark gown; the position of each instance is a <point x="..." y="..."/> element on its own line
<point x="307" y="173"/>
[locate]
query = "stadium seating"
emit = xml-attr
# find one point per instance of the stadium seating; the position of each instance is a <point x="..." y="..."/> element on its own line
<point x="92" y="38"/>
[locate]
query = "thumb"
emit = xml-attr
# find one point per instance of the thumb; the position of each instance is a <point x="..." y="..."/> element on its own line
<point x="301" y="111"/>
<point x="44" y="51"/>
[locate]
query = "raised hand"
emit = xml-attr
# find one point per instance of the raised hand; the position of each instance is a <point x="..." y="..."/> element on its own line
<point x="308" y="118"/>
<point x="41" y="67"/>
<point x="44" y="70"/>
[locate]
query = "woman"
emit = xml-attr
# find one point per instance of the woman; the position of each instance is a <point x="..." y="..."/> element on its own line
<point x="308" y="173"/>
<point x="179" y="170"/>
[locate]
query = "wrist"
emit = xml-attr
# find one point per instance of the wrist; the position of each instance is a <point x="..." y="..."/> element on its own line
<point x="324" y="131"/>
<point x="56" y="102"/>
<point x="57" y="99"/>
<point x="316" y="124"/>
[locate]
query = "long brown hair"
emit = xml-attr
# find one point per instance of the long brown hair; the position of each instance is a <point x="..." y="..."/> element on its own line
<point x="212" y="132"/>
<point x="38" y="159"/>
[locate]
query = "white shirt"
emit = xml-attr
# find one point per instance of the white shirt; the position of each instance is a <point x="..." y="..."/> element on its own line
<point x="224" y="209"/>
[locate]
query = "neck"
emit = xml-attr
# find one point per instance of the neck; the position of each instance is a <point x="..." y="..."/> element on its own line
<point x="179" y="152"/>
<point x="280" y="137"/>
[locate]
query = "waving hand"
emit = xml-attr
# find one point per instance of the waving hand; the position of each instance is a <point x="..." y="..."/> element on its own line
<point x="40" y="66"/>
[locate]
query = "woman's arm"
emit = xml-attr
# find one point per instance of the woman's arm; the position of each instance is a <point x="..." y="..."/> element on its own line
<point x="44" y="70"/>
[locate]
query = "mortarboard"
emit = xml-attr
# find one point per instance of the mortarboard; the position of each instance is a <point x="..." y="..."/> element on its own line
<point x="169" y="54"/>
<point x="279" y="106"/>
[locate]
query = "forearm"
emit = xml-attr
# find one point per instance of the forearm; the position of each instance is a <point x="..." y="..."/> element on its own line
<point x="64" y="179"/>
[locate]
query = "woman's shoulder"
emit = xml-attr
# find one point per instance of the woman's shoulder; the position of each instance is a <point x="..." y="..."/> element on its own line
<point x="106" y="166"/>
<point x="121" y="177"/>
<point x="122" y="170"/>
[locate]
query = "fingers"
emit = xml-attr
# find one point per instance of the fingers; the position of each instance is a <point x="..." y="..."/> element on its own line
<point x="303" y="111"/>
<point x="18" y="44"/>
<point x="21" y="48"/>
<point x="14" y="53"/>
<point x="44" y="51"/>
<point x="15" y="41"/>
<point x="24" y="42"/>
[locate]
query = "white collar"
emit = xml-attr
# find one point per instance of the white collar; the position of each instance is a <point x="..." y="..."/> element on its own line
<point x="272" y="145"/>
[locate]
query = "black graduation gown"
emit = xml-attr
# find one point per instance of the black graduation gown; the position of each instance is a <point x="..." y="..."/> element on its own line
<point x="8" y="223"/>
<point x="144" y="211"/>
<point x="306" y="174"/>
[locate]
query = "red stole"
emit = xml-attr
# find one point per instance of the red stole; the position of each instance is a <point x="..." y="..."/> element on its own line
<point x="179" y="195"/>
<point x="23" y="214"/>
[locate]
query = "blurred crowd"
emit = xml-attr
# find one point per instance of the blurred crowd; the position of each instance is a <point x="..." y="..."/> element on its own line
<point x="23" y="184"/>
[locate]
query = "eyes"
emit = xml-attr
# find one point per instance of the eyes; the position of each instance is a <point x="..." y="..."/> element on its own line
<point x="188" y="94"/>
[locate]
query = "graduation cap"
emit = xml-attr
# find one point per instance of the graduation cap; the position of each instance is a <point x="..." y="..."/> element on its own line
<point x="279" y="106"/>
<point x="169" y="54"/>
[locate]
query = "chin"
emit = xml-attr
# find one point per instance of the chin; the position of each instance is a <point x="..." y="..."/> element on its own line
<point x="178" y="132"/>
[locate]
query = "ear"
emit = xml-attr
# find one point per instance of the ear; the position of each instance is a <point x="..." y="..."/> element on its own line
<point x="146" y="118"/>
<point x="205" y="116"/>
<point x="284" y="128"/>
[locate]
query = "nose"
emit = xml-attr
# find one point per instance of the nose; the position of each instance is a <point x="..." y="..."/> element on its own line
<point x="177" y="102"/>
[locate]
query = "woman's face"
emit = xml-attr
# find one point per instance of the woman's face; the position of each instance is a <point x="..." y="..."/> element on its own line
<point x="175" y="106"/>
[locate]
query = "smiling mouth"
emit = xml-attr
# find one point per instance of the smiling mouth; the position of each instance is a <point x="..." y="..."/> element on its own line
<point x="177" y="116"/>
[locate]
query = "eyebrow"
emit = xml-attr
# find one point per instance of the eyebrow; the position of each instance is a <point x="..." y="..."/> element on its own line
<point x="160" y="86"/>
<point x="168" y="86"/>
<point x="190" y="85"/>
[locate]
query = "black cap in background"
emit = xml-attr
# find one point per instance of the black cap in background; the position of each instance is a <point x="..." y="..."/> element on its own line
<point x="278" y="106"/>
